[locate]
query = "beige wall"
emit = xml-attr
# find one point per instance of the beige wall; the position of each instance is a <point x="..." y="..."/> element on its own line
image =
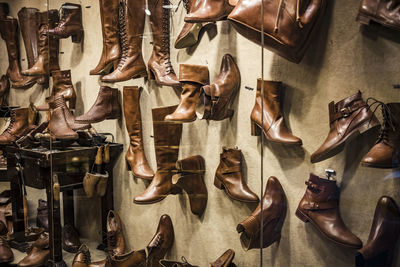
<point x="341" y="61"/>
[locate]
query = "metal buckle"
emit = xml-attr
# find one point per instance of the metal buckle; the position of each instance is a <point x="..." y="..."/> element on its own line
<point x="345" y="112"/>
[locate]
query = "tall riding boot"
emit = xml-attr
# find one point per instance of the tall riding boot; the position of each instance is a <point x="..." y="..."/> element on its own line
<point x="48" y="46"/>
<point x="4" y="10"/>
<point x="167" y="137"/>
<point x="18" y="127"/>
<point x="273" y="125"/>
<point x="109" y="26"/>
<point x="190" y="32"/>
<point x="160" y="67"/>
<point x="209" y="11"/>
<point x="192" y="78"/>
<point x="70" y="23"/>
<point x="9" y="33"/>
<point x="131" y="21"/>
<point x="135" y="157"/>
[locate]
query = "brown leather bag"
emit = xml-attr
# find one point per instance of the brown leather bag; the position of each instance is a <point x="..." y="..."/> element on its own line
<point x="288" y="24"/>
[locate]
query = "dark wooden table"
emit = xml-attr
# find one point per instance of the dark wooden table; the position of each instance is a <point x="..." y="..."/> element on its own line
<point x="41" y="167"/>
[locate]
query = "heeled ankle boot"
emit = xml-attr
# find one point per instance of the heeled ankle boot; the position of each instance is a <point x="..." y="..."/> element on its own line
<point x="190" y="32"/>
<point x="115" y="236"/>
<point x="192" y="78"/>
<point x="135" y="157"/>
<point x="111" y="46"/>
<point x="58" y="126"/>
<point x="209" y="11"/>
<point x="167" y="138"/>
<point x="19" y="126"/>
<point x="159" y="66"/>
<point x="70" y="23"/>
<point x="273" y="125"/>
<point x="4" y="90"/>
<point x="225" y="260"/>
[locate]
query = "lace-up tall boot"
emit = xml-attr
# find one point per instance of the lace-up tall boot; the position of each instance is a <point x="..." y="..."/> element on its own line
<point x="131" y="27"/>
<point x="189" y="34"/>
<point x="70" y="23"/>
<point x="18" y="127"/>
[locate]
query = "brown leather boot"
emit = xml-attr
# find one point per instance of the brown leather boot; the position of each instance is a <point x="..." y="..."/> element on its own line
<point x="192" y="77"/>
<point x="273" y="125"/>
<point x="168" y="263"/>
<point x="348" y="117"/>
<point x="225" y="260"/>
<point x="229" y="176"/>
<point x="82" y="257"/>
<point x="48" y="46"/>
<point x="4" y="10"/>
<point x="4" y="90"/>
<point x="167" y="137"/>
<point x="161" y="242"/>
<point x="190" y="178"/>
<point x="190" y="32"/>
<point x="58" y="126"/>
<point x="6" y="254"/>
<point x="70" y="238"/>
<point x="272" y="216"/>
<point x="131" y="21"/>
<point x="115" y="237"/>
<point x="135" y="157"/>
<point x="219" y="96"/>
<point x="209" y="11"/>
<point x="386" y="151"/>
<point x="159" y="66"/>
<point x="386" y="13"/>
<point x="385" y="232"/>
<point x="111" y="47"/>
<point x="70" y="23"/>
<point x="39" y="254"/>
<point x="320" y="206"/>
<point x="18" y="127"/>
<point x="106" y="107"/>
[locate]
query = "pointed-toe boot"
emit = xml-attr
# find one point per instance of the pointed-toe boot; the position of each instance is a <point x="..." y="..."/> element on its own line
<point x="225" y="260"/>
<point x="82" y="257"/>
<point x="6" y="254"/>
<point x="115" y="237"/>
<point x="192" y="78"/>
<point x="272" y="215"/>
<point x="4" y="90"/>
<point x="229" y="176"/>
<point x="135" y="157"/>
<point x="19" y="126"/>
<point x="348" y="117"/>
<point x="70" y="23"/>
<point x="273" y="125"/>
<point x="386" y="13"/>
<point x="320" y="206"/>
<point x="167" y="138"/>
<point x="131" y="21"/>
<point x="111" y="47"/>
<point x="190" y="178"/>
<point x="386" y="151"/>
<point x="219" y="96"/>
<point x="58" y="126"/>
<point x="168" y="263"/>
<point x="161" y="243"/>
<point x="70" y="238"/>
<point x="385" y="231"/>
<point x="190" y="32"/>
<point x="209" y="11"/>
<point x="39" y="253"/>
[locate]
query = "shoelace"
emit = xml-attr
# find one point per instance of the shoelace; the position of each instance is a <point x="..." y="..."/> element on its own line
<point x="165" y="49"/>
<point x="386" y="115"/>
<point x="122" y="35"/>
<point x="12" y="121"/>
<point x="280" y="7"/>
<point x="86" y="255"/>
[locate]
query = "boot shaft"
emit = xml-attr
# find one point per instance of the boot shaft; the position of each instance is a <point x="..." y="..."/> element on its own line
<point x="230" y="157"/>
<point x="29" y="28"/>
<point x="9" y="33"/>
<point x="109" y="20"/>
<point x="61" y="81"/>
<point x="160" y="25"/>
<point x="321" y="190"/>
<point x="131" y="105"/>
<point x="272" y="95"/>
<point x="71" y="13"/>
<point x="19" y="121"/>
<point x="196" y="74"/>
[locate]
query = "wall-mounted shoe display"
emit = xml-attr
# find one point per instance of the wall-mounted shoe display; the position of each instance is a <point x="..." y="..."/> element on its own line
<point x="19" y="126"/>
<point x="225" y="260"/>
<point x="384" y="12"/>
<point x="115" y="236"/>
<point x="209" y="11"/>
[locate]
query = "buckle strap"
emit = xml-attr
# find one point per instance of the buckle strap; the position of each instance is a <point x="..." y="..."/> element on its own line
<point x="321" y="205"/>
<point x="344" y="112"/>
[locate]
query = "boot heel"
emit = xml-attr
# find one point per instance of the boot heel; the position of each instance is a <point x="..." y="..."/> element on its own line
<point x="301" y="216"/>
<point x="255" y="129"/>
<point x="150" y="75"/>
<point x="363" y="19"/>
<point x="218" y="184"/>
<point x="77" y="38"/>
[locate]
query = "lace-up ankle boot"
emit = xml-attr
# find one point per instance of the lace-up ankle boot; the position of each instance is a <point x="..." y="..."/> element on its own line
<point x="70" y="23"/>
<point x="115" y="237"/>
<point x="18" y="127"/>
<point x="384" y="12"/>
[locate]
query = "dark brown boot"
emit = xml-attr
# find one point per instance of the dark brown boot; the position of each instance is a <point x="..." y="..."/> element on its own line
<point x="272" y="216"/>
<point x="131" y="21"/>
<point x="115" y="236"/>
<point x="386" y="13"/>
<point x="106" y="107"/>
<point x="111" y="47"/>
<point x="4" y="90"/>
<point x="135" y="157"/>
<point x="18" y="127"/>
<point x="225" y="260"/>
<point x="320" y="205"/>
<point x="159" y="66"/>
<point x="273" y="125"/>
<point x="229" y="176"/>
<point x="70" y="238"/>
<point x="4" y="10"/>
<point x="190" y="32"/>
<point x="209" y="11"/>
<point x="82" y="257"/>
<point x="58" y="126"/>
<point x="167" y="138"/>
<point x="70" y="23"/>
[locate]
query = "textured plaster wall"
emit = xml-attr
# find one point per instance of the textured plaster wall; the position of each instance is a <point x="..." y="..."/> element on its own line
<point x="343" y="58"/>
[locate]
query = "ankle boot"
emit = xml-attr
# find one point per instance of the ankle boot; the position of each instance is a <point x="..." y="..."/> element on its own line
<point x="42" y="218"/>
<point x="4" y="90"/>
<point x="386" y="151"/>
<point x="82" y="257"/>
<point x="192" y="77"/>
<point x="18" y="127"/>
<point x="70" y="23"/>
<point x="106" y="107"/>
<point x="272" y="216"/>
<point x="273" y="126"/>
<point x="167" y="138"/>
<point x="39" y="253"/>
<point x="9" y="33"/>
<point x="115" y="237"/>
<point x="131" y="21"/>
<point x="48" y="46"/>
<point x="161" y="243"/>
<point x="385" y="231"/>
<point x="4" y="10"/>
<point x="320" y="205"/>
<point x="111" y="47"/>
<point x="229" y="177"/>
<point x="168" y="263"/>
<point x="218" y="97"/>
<point x="209" y="11"/>
<point x="190" y="178"/>
<point x="70" y="238"/>
<point x="159" y="66"/>
<point x="348" y="117"/>
<point x="386" y="13"/>
<point x="190" y="32"/>
<point x="58" y="126"/>
<point x="225" y="260"/>
<point x="135" y="157"/>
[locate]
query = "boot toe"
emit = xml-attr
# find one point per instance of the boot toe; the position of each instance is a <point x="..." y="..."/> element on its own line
<point x="147" y="198"/>
<point x="350" y="240"/>
<point x="143" y="172"/>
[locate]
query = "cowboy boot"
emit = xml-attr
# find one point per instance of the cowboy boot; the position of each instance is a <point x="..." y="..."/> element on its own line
<point x="70" y="23"/>
<point x="18" y="127"/>
<point x="225" y="260"/>
<point x="135" y="157"/>
<point x="4" y="90"/>
<point x="58" y="126"/>
<point x="192" y="77"/>
<point x="4" y="10"/>
<point x="273" y="125"/>
<point x="159" y="66"/>
<point x="190" y="32"/>
<point x="131" y="64"/>
<point x="209" y="11"/>
<point x="386" y="151"/>
<point x="386" y="13"/>
<point x="320" y="205"/>
<point x="167" y="137"/>
<point x="109" y="26"/>
<point x="82" y="257"/>
<point x="348" y="117"/>
<point x="115" y="237"/>
<point x="168" y="263"/>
